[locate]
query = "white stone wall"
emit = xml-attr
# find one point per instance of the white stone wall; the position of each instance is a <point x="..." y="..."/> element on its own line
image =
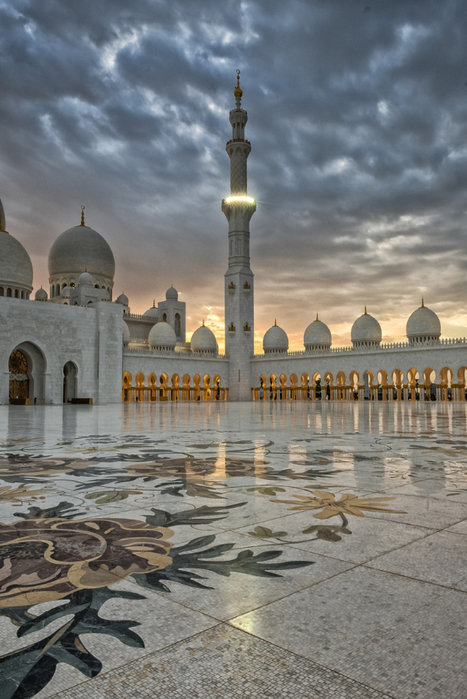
<point x="54" y="334"/>
<point x="419" y="358"/>
<point x="151" y="361"/>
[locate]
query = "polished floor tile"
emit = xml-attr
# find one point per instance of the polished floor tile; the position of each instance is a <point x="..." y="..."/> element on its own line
<point x="233" y="550"/>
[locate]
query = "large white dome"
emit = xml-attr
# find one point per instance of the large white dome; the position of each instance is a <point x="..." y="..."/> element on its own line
<point x="423" y="325"/>
<point x="275" y="340"/>
<point x="203" y="340"/>
<point x="81" y="249"/>
<point x="366" y="331"/>
<point x="317" y="335"/>
<point x="171" y="293"/>
<point x="15" y="267"/>
<point x="162" y="336"/>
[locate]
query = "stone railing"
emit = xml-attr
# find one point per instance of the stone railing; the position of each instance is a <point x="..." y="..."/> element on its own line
<point x="170" y="353"/>
<point x="137" y="316"/>
<point x="341" y="350"/>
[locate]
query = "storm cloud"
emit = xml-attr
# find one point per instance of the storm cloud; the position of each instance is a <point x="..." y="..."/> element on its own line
<point x="358" y="124"/>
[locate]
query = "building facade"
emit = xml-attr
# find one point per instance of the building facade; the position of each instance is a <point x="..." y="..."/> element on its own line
<point x="76" y="344"/>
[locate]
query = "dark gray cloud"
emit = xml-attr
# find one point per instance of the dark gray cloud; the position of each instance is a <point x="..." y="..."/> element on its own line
<point x="358" y="122"/>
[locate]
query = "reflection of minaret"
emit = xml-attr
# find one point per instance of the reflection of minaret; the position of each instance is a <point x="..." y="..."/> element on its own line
<point x="239" y="208"/>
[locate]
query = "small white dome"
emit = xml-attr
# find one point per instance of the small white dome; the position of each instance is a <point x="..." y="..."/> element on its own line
<point x="85" y="279"/>
<point x="204" y="340"/>
<point x="317" y="335"/>
<point x="66" y="291"/>
<point x="275" y="340"/>
<point x="41" y="295"/>
<point x="423" y="324"/>
<point x="126" y="333"/>
<point x="171" y="293"/>
<point x="366" y="331"/>
<point x="122" y="299"/>
<point x="162" y="336"/>
<point x="152" y="312"/>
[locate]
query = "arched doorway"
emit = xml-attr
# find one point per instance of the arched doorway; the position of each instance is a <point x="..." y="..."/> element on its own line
<point x="70" y="373"/>
<point x="27" y="367"/>
<point x="19" y="378"/>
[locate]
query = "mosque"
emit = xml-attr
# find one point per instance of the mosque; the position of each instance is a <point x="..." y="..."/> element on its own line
<point x="76" y="344"/>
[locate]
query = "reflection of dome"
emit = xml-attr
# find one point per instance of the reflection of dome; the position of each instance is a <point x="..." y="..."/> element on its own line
<point x="275" y="340"/>
<point x="85" y="279"/>
<point x="122" y="299"/>
<point x="126" y="333"/>
<point x="41" y="295"/>
<point x="162" y="336"/>
<point x="81" y="248"/>
<point x="423" y="325"/>
<point x="15" y="267"/>
<point x="366" y="331"/>
<point x="171" y="294"/>
<point x="204" y="341"/>
<point x="317" y="336"/>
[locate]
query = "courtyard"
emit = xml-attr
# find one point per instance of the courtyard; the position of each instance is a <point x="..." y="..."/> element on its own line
<point x="234" y="550"/>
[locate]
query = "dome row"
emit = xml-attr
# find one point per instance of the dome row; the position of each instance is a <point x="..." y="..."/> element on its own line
<point x="162" y="337"/>
<point x="423" y="325"/>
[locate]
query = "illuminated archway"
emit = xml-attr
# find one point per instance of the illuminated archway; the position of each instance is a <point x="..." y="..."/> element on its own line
<point x="126" y="388"/>
<point x="139" y="392"/>
<point x="27" y="370"/>
<point x="152" y="390"/>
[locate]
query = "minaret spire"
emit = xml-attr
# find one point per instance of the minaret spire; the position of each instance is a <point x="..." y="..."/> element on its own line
<point x="238" y="209"/>
<point x="2" y="218"/>
<point x="238" y="92"/>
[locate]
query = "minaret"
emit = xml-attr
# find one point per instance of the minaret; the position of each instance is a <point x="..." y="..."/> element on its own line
<point x="239" y="208"/>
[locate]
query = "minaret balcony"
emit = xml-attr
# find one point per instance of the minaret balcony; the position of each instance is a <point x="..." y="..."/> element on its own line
<point x="231" y="329"/>
<point x="231" y="289"/>
<point x="246" y="328"/>
<point x="237" y="140"/>
<point x="246" y="288"/>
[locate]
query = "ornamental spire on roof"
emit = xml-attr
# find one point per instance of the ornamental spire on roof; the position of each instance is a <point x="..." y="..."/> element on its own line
<point x="82" y="215"/>
<point x="2" y="218"/>
<point x="238" y="92"/>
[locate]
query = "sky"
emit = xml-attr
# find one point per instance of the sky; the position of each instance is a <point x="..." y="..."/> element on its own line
<point x="358" y="123"/>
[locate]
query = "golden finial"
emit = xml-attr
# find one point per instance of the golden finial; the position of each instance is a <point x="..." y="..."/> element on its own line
<point x="82" y="215"/>
<point x="154" y="303"/>
<point x="317" y="317"/>
<point x="238" y="92"/>
<point x="275" y="323"/>
<point x="423" y="303"/>
<point x="203" y="322"/>
<point x="366" y="312"/>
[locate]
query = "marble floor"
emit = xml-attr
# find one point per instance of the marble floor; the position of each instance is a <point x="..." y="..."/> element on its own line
<point x="234" y="550"/>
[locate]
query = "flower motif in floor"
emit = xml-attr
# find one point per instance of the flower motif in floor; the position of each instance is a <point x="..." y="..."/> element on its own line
<point x="47" y="559"/>
<point x="349" y="504"/>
